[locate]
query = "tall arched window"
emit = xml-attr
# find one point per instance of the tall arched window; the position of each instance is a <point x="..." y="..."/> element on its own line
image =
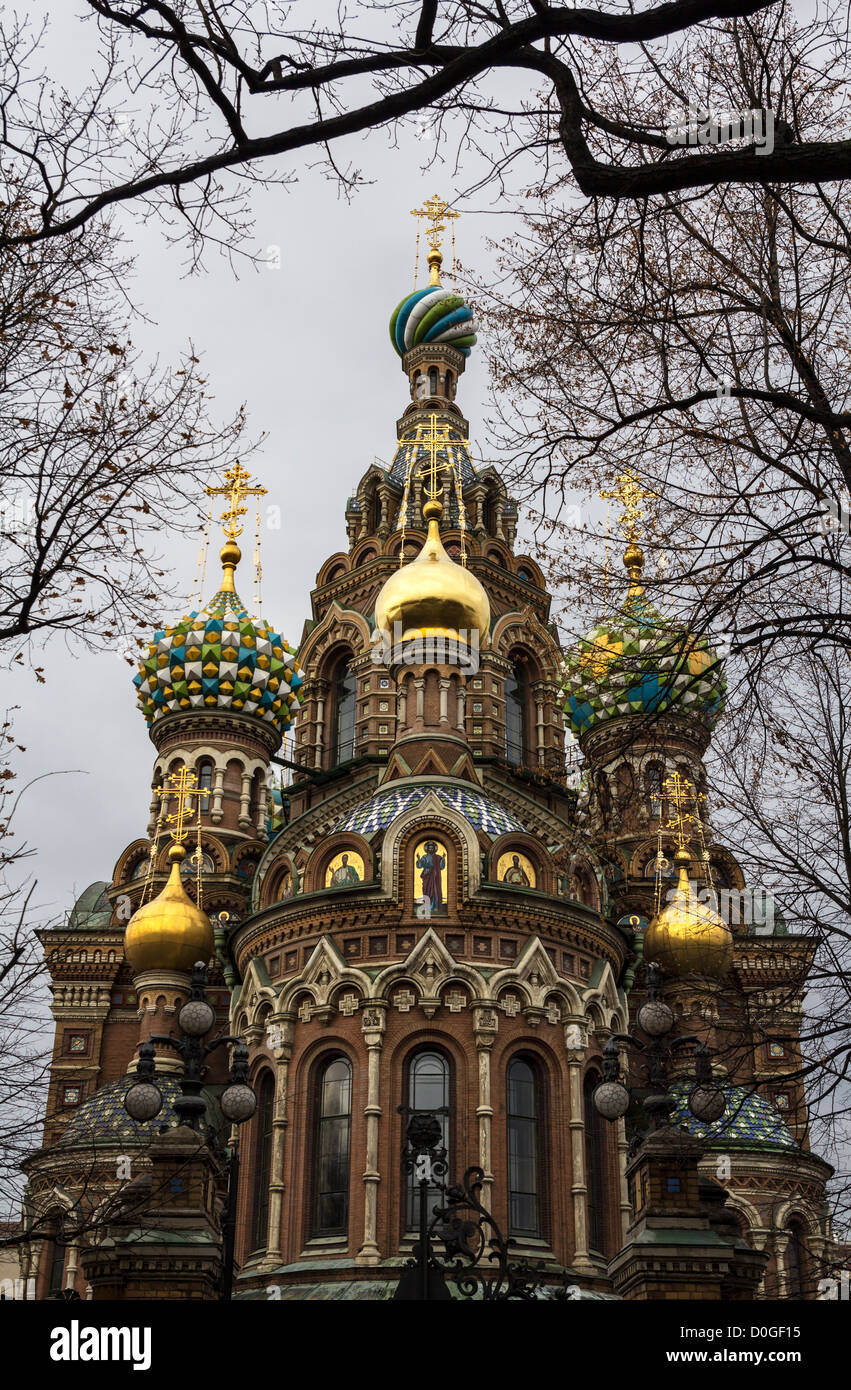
<point x="515" y="716"/>
<point x="654" y="789"/>
<point x="524" y="1149"/>
<point x="428" y="1089"/>
<point x="432" y="381"/>
<point x="345" y="702"/>
<point x="795" y="1261"/>
<point x="263" y="1132"/>
<point x="333" y="1136"/>
<point x="594" y="1161"/>
<point x="205" y="781"/>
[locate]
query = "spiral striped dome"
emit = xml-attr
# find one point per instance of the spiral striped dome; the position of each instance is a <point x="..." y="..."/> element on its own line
<point x="433" y="315"/>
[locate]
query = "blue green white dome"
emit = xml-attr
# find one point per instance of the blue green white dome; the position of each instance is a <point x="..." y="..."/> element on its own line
<point x="102" y="1119"/>
<point x="750" y="1121"/>
<point x="640" y="662"/>
<point x="481" y="811"/>
<point x="219" y="658"/>
<point x="433" y="315"/>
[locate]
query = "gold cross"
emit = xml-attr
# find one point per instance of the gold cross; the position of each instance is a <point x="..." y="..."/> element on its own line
<point x="683" y="794"/>
<point x="435" y="438"/>
<point x="438" y="213"/>
<point x="184" y="785"/>
<point x="630" y="494"/>
<point x="235" y="489"/>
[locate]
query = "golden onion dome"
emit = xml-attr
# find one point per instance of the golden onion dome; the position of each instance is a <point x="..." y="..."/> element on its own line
<point x="432" y="596"/>
<point x="688" y="937"/>
<point x="170" y="932"/>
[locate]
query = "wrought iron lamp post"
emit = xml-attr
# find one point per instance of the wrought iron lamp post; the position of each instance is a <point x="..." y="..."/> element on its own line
<point x="143" y="1100"/>
<point x="612" y="1097"/>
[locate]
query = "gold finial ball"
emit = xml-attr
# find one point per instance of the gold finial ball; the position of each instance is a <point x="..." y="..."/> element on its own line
<point x="230" y="553"/>
<point x="170" y="932"/>
<point x="688" y="937"/>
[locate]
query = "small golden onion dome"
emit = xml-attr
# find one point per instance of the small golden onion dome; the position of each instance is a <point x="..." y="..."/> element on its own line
<point x="688" y="937"/>
<point x="432" y="596"/>
<point x="170" y="932"/>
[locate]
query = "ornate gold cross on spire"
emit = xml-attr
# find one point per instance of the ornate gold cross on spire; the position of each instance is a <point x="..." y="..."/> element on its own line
<point x="631" y="494"/>
<point x="436" y="213"/>
<point x="236" y="488"/>
<point x="183" y="785"/>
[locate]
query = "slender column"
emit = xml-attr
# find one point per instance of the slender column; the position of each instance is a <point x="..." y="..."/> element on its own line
<point x="321" y="692"/>
<point x="419" y="685"/>
<point x="245" y="801"/>
<point x="374" y="1023"/>
<point x="623" y="1151"/>
<point x="402" y="707"/>
<point x="280" y="1123"/>
<point x="71" y="1271"/>
<point x="462" y="701"/>
<point x="444" y="700"/>
<point x="781" y="1245"/>
<point x="485" y="1024"/>
<point x="579" y="1186"/>
<point x="218" y="794"/>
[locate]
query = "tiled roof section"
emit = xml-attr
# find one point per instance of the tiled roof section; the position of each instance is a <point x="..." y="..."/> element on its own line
<point x="92" y="908"/>
<point x="481" y="811"/>
<point x="102" y="1119"/>
<point x="750" y="1120"/>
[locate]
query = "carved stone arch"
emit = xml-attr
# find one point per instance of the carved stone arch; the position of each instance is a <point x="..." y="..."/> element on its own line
<point x="270" y="877"/>
<point x="432" y="813"/>
<point x="532" y="848"/>
<point x="313" y="878"/>
<point x="428" y="967"/>
<point x="323" y="973"/>
<point x="256" y="990"/>
<point x="604" y="996"/>
<point x="532" y="972"/>
<point x="367" y="549"/>
<point x="523" y="628"/>
<point x="333" y="567"/>
<point x="525" y="562"/>
<point x="128" y="859"/>
<point x="339" y="625"/>
<point x="796" y="1206"/>
<point x="739" y="1203"/>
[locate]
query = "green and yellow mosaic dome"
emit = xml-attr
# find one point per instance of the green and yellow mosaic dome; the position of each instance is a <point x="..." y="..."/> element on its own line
<point x="640" y="662"/>
<point x="220" y="658"/>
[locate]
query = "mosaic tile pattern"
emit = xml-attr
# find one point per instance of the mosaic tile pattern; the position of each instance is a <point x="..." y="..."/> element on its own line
<point x="219" y="658"/>
<point x="749" y="1119"/>
<point x="640" y="663"/>
<point x="377" y="813"/>
<point x="432" y="315"/>
<point x="103" y="1119"/>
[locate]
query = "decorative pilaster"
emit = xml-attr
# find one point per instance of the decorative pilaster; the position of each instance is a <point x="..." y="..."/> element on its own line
<point x="374" y="1024"/>
<point x="579" y="1186"/>
<point x="485" y="1025"/>
<point x="280" y="1122"/>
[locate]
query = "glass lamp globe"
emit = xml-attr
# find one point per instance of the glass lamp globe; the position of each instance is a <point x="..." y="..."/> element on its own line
<point x="196" y="1018"/>
<point x="707" y="1103"/>
<point x="143" y="1100"/>
<point x="238" y="1103"/>
<point x="655" y="1018"/>
<point x="611" y="1099"/>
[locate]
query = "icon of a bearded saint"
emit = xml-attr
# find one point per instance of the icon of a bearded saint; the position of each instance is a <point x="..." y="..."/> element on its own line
<point x="344" y="875"/>
<point x="431" y="862"/>
<point x="515" y="873"/>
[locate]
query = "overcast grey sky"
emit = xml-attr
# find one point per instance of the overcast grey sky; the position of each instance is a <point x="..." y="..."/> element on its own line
<point x="307" y="349"/>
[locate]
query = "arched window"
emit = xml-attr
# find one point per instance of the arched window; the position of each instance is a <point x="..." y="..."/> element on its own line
<point x="515" y="716"/>
<point x="524" y="1149"/>
<point x="263" y="1132"/>
<point x="654" y="789"/>
<point x="795" y="1260"/>
<point x="345" y="703"/>
<point x="205" y="781"/>
<point x="333" y="1134"/>
<point x="594" y="1162"/>
<point x="428" y="1089"/>
<point x="432" y="381"/>
<point x="449" y="381"/>
<point x="58" y="1250"/>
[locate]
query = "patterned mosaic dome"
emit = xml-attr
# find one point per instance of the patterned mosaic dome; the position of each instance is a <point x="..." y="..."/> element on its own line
<point x="749" y="1121"/>
<point x="432" y="315"/>
<point x="102" y="1119"/>
<point x="219" y="658"/>
<point x="640" y="663"/>
<point x="383" y="808"/>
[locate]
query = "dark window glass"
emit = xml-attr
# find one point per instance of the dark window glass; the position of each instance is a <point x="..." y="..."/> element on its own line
<point x="345" y="701"/>
<point x="205" y="782"/>
<point x="334" y="1118"/>
<point x="594" y="1158"/>
<point x="523" y="1149"/>
<point x="515" y="716"/>
<point x="56" y="1276"/>
<point x="428" y="1089"/>
<point x="432" y="381"/>
<point x="795" y="1263"/>
<point x="262" y="1160"/>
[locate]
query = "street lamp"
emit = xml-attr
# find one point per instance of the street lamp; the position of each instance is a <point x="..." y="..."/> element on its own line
<point x="611" y="1097"/>
<point x="143" y="1100"/>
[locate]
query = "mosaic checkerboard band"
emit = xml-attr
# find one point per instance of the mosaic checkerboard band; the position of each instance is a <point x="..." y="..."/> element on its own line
<point x="482" y="813"/>
<point x="219" y="658"/>
<point x="640" y="663"/>
<point x="749" y="1119"/>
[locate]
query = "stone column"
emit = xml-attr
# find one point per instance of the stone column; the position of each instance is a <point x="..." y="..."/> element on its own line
<point x="280" y="1122"/>
<point x="781" y="1245"/>
<point x="623" y="1153"/>
<point x="374" y="1023"/>
<point x="245" y="801"/>
<point x="218" y="793"/>
<point x="444" y="699"/>
<point x="462" y="715"/>
<point x="419" y="686"/>
<point x="576" y="1124"/>
<point x="485" y="1025"/>
<point x="401" y="707"/>
<point x="321" y="694"/>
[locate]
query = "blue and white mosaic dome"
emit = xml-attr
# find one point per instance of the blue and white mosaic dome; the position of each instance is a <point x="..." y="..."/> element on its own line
<point x="750" y="1121"/>
<point x="481" y="811"/>
<point x="102" y="1119"/>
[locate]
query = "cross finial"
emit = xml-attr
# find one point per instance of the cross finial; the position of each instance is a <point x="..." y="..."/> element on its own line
<point x="236" y="488"/>
<point x="631" y="494"/>
<point x="436" y="213"/>
<point x="183" y="785"/>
